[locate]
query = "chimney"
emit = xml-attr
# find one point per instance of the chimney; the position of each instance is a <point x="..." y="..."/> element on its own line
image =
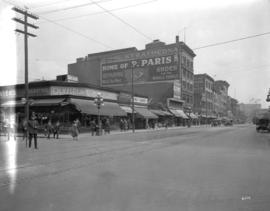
<point x="177" y="39"/>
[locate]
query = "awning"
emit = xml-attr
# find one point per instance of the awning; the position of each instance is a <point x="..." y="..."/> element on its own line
<point x="157" y="112"/>
<point x="127" y="109"/>
<point x="47" y="102"/>
<point x="12" y="103"/>
<point x="175" y="113"/>
<point x="183" y="115"/>
<point x="39" y="102"/>
<point x="167" y="113"/>
<point x="193" y="116"/>
<point x="145" y="113"/>
<point x="89" y="107"/>
<point x="179" y="113"/>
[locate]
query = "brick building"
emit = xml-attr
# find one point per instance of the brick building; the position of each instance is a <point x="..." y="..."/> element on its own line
<point x="162" y="72"/>
<point x="204" y="95"/>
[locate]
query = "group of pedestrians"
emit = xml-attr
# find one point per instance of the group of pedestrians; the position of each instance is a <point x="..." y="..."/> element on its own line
<point x="52" y="129"/>
<point x="97" y="129"/>
<point x="124" y="124"/>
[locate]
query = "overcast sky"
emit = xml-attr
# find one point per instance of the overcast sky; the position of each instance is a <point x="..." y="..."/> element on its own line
<point x="70" y="29"/>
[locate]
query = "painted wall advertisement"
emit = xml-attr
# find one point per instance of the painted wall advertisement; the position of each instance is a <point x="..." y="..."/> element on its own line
<point x="147" y="66"/>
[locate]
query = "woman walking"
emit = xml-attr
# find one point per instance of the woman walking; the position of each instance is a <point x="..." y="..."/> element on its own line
<point x="75" y="130"/>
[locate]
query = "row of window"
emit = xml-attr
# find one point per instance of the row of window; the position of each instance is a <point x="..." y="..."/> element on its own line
<point x="187" y="63"/>
<point x="188" y="98"/>
<point x="187" y="74"/>
<point x="188" y="86"/>
<point x="208" y="85"/>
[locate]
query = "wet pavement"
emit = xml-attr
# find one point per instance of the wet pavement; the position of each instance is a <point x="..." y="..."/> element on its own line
<point x="198" y="168"/>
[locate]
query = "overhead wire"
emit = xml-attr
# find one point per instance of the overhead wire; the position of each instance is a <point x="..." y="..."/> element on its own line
<point x="78" y="33"/>
<point x="230" y="41"/>
<point x="71" y="7"/>
<point x="102" y="12"/>
<point x="50" y="4"/>
<point x="122" y="20"/>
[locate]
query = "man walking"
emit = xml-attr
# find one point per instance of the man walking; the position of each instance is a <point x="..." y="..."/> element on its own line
<point x="56" y="129"/>
<point x="32" y="128"/>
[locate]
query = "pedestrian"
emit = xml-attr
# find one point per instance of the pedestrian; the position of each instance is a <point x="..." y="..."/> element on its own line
<point x="75" y="129"/>
<point x="107" y="126"/>
<point x="93" y="127"/>
<point x="33" y="129"/>
<point x="125" y="125"/>
<point x="24" y="129"/>
<point x="49" y="129"/>
<point x="121" y="124"/>
<point x="56" y="130"/>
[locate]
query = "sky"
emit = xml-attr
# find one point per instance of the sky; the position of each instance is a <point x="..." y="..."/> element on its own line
<point x="70" y="29"/>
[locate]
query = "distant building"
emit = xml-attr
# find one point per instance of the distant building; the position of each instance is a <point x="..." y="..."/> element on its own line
<point x="204" y="95"/>
<point x="221" y="88"/>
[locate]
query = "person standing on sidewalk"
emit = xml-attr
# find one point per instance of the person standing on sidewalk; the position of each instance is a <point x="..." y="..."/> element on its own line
<point x="75" y="130"/>
<point x="24" y="129"/>
<point x="93" y="127"/>
<point x="56" y="129"/>
<point x="49" y="129"/>
<point x="32" y="129"/>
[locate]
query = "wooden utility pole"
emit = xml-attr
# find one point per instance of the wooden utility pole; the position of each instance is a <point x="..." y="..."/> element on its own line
<point x="25" y="23"/>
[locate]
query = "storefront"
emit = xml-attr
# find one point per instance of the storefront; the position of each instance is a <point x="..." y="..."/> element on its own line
<point x="65" y="102"/>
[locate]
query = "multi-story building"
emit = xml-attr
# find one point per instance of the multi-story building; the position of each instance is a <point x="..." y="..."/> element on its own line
<point x="221" y="88"/>
<point x="162" y="72"/>
<point x="204" y="98"/>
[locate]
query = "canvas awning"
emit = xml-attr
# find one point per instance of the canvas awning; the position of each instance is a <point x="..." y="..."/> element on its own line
<point x="127" y="109"/>
<point x="12" y="103"/>
<point x="89" y="107"/>
<point x="145" y="113"/>
<point x="193" y="116"/>
<point x="38" y="102"/>
<point x="47" y="102"/>
<point x="158" y="112"/>
<point x="179" y="113"/>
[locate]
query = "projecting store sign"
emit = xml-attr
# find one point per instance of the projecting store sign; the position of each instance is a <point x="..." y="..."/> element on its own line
<point x="147" y="66"/>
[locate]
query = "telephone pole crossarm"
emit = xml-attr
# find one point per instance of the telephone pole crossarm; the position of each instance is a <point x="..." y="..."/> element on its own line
<point x="16" y="9"/>
<point x="23" y="22"/>
<point x="27" y="33"/>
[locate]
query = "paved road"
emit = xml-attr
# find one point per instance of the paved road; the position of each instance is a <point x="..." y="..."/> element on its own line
<point x="190" y="169"/>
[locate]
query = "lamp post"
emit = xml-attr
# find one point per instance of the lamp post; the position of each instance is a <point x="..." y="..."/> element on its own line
<point x="99" y="102"/>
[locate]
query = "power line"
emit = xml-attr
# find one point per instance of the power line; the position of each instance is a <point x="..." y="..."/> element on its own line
<point x="230" y="41"/>
<point x="69" y="29"/>
<point x="72" y="7"/>
<point x="76" y="32"/>
<point x="102" y="12"/>
<point x="50" y="4"/>
<point x="123" y="21"/>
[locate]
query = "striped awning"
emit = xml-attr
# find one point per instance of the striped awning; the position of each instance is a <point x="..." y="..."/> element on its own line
<point x="179" y="113"/>
<point x="89" y="107"/>
<point x="145" y="113"/>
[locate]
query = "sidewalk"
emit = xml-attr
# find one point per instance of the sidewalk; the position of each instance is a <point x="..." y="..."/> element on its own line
<point x="114" y="132"/>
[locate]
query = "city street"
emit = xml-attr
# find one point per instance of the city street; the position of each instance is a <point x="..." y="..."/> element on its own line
<point x="223" y="168"/>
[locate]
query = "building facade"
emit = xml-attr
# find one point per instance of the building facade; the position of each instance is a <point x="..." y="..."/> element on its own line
<point x="221" y="89"/>
<point x="66" y="101"/>
<point x="162" y="72"/>
<point x="204" y="98"/>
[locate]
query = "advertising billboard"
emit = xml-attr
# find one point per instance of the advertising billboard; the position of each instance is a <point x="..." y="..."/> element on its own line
<point x="147" y="66"/>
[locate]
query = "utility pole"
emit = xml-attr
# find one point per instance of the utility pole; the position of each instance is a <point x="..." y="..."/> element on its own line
<point x="25" y="23"/>
<point x="132" y="95"/>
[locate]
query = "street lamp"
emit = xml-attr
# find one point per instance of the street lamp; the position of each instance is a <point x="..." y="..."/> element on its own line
<point x="99" y="102"/>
